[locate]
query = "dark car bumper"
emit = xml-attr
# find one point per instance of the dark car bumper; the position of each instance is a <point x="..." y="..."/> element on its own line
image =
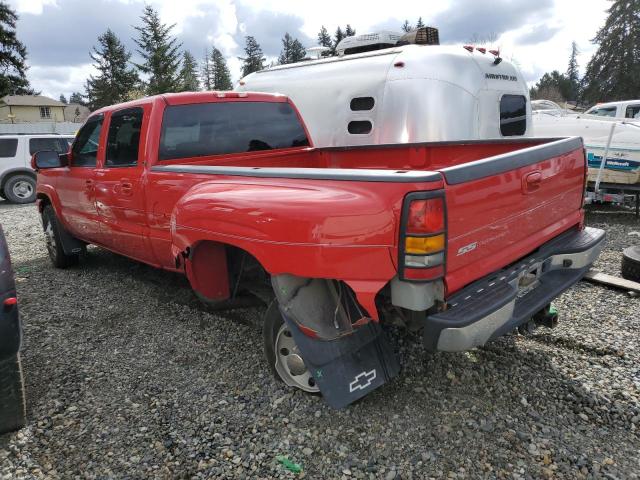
<point x="500" y="302"/>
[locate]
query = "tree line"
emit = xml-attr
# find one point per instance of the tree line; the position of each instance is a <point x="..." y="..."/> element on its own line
<point x="612" y="73"/>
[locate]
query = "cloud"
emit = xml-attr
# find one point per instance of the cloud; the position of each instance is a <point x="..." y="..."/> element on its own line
<point x="268" y="28"/>
<point x="466" y="19"/>
<point x="539" y="33"/>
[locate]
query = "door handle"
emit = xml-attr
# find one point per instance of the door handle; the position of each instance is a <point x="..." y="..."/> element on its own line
<point x="531" y="182"/>
<point x="126" y="188"/>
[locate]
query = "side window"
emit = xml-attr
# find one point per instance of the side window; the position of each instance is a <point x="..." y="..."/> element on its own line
<point x="8" y="147"/>
<point x="604" y="112"/>
<point x="513" y="115"/>
<point x="633" y="111"/>
<point x="57" y="144"/>
<point x="85" y="148"/>
<point x="124" y="138"/>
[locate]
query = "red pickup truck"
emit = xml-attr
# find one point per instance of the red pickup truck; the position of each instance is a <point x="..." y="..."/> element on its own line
<point x="465" y="240"/>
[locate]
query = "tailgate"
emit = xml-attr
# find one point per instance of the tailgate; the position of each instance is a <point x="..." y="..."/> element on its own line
<point x="502" y="208"/>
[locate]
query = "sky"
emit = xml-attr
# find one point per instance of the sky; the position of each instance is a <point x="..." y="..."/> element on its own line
<point x="536" y="34"/>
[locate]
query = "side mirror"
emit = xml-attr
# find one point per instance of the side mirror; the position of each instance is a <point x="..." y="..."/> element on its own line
<point x="48" y="159"/>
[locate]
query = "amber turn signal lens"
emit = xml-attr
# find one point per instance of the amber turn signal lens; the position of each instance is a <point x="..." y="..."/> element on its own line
<point x="423" y="245"/>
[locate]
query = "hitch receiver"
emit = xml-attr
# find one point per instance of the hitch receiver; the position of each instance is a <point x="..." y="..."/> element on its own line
<point x="547" y="317"/>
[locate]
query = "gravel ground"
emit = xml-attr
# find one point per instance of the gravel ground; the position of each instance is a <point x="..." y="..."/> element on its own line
<point x="127" y="377"/>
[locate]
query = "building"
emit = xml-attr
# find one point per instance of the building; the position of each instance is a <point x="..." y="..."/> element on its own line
<point x="30" y="109"/>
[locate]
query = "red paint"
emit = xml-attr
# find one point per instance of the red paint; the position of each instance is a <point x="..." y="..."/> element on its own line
<point x="344" y="230"/>
<point x="10" y="302"/>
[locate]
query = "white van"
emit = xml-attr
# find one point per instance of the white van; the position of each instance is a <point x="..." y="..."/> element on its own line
<point x="400" y="91"/>
<point x="17" y="179"/>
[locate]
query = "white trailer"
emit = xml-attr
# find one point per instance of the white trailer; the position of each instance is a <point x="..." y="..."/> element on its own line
<point x="400" y="94"/>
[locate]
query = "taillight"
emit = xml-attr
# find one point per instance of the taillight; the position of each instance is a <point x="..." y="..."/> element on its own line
<point x="423" y="237"/>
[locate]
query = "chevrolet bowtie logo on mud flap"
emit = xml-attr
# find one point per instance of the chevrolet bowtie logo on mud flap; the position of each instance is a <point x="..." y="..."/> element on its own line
<point x="362" y="381"/>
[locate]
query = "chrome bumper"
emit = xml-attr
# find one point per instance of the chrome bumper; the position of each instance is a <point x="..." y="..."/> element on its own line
<point x="498" y="303"/>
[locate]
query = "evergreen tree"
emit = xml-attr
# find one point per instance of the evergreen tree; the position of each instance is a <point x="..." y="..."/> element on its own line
<point x="76" y="97"/>
<point x="254" y="60"/>
<point x="339" y="35"/>
<point x="553" y="86"/>
<point x="189" y="74"/>
<point x="613" y="73"/>
<point x="13" y="56"/>
<point x="324" y="39"/>
<point x="115" y="79"/>
<point x="419" y="23"/>
<point x="220" y="75"/>
<point x="292" y="50"/>
<point x="406" y="26"/>
<point x="205" y="72"/>
<point x="349" y="32"/>
<point x="159" y="52"/>
<point x="572" y="72"/>
<point x="63" y="99"/>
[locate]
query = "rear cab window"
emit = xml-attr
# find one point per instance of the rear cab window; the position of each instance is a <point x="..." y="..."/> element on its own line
<point x="513" y="115"/>
<point x="205" y="129"/>
<point x="633" y="111"/>
<point x="8" y="147"/>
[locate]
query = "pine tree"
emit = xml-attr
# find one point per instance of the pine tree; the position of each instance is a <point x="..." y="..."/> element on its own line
<point x="189" y="73"/>
<point x="115" y="79"/>
<point x="159" y="52"/>
<point x="13" y="56"/>
<point x="292" y="50"/>
<point x="613" y="73"/>
<point x="406" y="26"/>
<point x="205" y="72"/>
<point x="76" y="97"/>
<point x="254" y="60"/>
<point x="419" y="23"/>
<point x="349" y="32"/>
<point x="337" y="37"/>
<point x="324" y="39"/>
<point x="572" y="72"/>
<point x="63" y="99"/>
<point x="220" y="75"/>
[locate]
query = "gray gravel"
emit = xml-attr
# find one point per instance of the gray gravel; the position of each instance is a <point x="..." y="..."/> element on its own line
<point x="127" y="377"/>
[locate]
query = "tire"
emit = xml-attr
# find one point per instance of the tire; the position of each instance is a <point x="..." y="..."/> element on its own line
<point x="20" y="189"/>
<point x="288" y="368"/>
<point x="631" y="263"/>
<point x="12" y="399"/>
<point x="52" y="227"/>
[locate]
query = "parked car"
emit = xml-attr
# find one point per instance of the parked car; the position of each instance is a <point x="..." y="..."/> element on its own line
<point x="468" y="240"/>
<point x="12" y="398"/>
<point x="17" y="179"/>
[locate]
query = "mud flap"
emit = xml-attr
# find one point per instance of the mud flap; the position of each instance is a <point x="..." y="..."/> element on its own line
<point x="349" y="367"/>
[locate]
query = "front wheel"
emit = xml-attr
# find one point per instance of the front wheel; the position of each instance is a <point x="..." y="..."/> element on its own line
<point x="52" y="227"/>
<point x="20" y="189"/>
<point x="282" y="354"/>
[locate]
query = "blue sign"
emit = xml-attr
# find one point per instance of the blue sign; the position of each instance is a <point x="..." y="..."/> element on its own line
<point x="594" y="161"/>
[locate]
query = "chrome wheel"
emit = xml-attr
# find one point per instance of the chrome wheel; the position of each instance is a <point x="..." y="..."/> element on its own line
<point x="23" y="189"/>
<point x="289" y="363"/>
<point x="50" y="239"/>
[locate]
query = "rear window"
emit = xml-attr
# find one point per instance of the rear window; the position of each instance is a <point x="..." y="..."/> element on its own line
<point x="8" y="147"/>
<point x="57" y="144"/>
<point x="513" y="115"/>
<point x="230" y="127"/>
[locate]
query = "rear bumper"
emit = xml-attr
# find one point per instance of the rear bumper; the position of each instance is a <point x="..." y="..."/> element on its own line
<point x="497" y="303"/>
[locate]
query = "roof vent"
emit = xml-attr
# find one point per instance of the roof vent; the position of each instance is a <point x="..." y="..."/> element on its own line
<point x="421" y="36"/>
<point x="368" y="42"/>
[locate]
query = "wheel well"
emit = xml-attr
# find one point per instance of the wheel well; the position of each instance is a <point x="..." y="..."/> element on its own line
<point x="13" y="173"/>
<point x="217" y="271"/>
<point x="42" y="201"/>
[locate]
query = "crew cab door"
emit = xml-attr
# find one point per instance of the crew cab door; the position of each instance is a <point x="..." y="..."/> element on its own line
<point x="119" y="190"/>
<point x="75" y="185"/>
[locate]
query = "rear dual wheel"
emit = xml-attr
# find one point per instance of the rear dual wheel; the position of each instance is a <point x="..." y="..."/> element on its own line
<point x="282" y="353"/>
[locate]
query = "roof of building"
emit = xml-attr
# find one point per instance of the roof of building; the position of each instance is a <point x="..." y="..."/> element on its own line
<point x="31" y="100"/>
